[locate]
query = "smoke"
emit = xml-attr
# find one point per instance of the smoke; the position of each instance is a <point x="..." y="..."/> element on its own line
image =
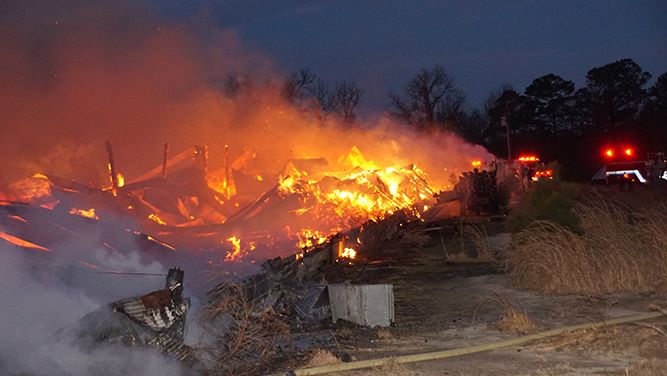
<point x="75" y="74"/>
<point x="39" y="298"/>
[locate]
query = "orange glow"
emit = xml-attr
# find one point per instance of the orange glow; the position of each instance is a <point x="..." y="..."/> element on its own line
<point x="237" y="252"/>
<point x="120" y="179"/>
<point x="309" y="238"/>
<point x="609" y="153"/>
<point x="348" y="253"/>
<point x="529" y="158"/>
<point x="156" y="219"/>
<point x="476" y="163"/>
<point x="354" y="196"/>
<point x="629" y="152"/>
<point x="90" y="213"/>
<point x="22" y="243"/>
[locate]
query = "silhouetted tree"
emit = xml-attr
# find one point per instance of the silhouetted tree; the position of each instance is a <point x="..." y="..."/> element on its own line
<point x="654" y="116"/>
<point x="614" y="94"/>
<point x="549" y="104"/>
<point x="299" y="86"/>
<point x="424" y="97"/>
<point x="310" y="93"/>
<point x="344" y="100"/>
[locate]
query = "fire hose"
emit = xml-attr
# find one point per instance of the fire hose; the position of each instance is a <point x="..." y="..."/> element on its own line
<point x="412" y="358"/>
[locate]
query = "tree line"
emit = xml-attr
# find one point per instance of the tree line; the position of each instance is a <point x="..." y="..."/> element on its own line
<point x="551" y="117"/>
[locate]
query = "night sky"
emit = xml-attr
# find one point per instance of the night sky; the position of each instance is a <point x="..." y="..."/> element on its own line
<point x="482" y="44"/>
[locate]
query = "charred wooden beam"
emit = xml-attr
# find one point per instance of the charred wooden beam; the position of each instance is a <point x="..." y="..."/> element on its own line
<point x="113" y="178"/>
<point x="227" y="188"/>
<point x="200" y="163"/>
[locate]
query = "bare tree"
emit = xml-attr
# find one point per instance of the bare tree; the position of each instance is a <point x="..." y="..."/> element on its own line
<point x="299" y="85"/>
<point x="345" y="99"/>
<point x="423" y="96"/>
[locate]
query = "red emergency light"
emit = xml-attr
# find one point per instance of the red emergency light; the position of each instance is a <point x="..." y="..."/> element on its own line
<point x="528" y="158"/>
<point x="620" y="151"/>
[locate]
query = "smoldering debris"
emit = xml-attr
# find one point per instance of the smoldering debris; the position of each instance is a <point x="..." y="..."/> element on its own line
<point x="156" y="320"/>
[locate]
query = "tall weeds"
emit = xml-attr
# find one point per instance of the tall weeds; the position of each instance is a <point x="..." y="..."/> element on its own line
<point x="619" y="249"/>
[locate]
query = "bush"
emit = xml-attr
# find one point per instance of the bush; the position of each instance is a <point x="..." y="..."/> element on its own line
<point x="618" y="249"/>
<point x="547" y="200"/>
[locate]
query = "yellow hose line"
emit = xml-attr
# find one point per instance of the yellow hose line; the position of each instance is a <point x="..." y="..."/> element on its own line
<point x="470" y="349"/>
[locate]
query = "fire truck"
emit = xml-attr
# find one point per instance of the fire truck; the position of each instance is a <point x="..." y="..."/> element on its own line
<point x="622" y="167"/>
<point x="489" y="185"/>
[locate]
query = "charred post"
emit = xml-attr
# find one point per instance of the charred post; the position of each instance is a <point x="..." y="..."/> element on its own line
<point x="113" y="178"/>
<point x="200" y="162"/>
<point x="227" y="190"/>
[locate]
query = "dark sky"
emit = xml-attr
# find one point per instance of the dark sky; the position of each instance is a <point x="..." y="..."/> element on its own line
<point x="482" y="44"/>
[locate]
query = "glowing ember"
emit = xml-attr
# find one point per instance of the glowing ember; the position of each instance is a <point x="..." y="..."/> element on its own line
<point x="156" y="219"/>
<point x="309" y="238"/>
<point x="22" y="243"/>
<point x="236" y="253"/>
<point x="348" y="253"/>
<point x="90" y="213"/>
<point x="120" y="179"/>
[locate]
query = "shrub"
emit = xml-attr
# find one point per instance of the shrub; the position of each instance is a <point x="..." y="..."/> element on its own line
<point x="547" y="200"/>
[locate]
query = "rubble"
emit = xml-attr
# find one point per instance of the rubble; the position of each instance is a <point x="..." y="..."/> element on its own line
<point x="155" y="320"/>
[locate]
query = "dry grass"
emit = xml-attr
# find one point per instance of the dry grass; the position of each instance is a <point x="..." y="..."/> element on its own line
<point x="320" y="358"/>
<point x="650" y="367"/>
<point x="393" y="236"/>
<point x="639" y="340"/>
<point x="244" y="338"/>
<point x="391" y="368"/>
<point x="620" y="250"/>
<point x="512" y="320"/>
<point x="383" y="334"/>
<point x="474" y="245"/>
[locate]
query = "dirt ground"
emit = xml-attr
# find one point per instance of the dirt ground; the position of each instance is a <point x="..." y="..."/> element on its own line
<point x="440" y="305"/>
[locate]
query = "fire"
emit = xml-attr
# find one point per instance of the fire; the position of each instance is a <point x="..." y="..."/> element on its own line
<point x="348" y="253"/>
<point x="237" y="252"/>
<point x="155" y="218"/>
<point x="90" y="213"/>
<point x="36" y="190"/>
<point x="477" y="163"/>
<point x="120" y="179"/>
<point x="309" y="238"/>
<point x="22" y="243"/>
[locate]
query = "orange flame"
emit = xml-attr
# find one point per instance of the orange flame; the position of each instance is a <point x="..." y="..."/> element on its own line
<point x="22" y="243"/>
<point x="155" y="218"/>
<point x="237" y="252"/>
<point x="90" y="213"/>
<point x="348" y="253"/>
